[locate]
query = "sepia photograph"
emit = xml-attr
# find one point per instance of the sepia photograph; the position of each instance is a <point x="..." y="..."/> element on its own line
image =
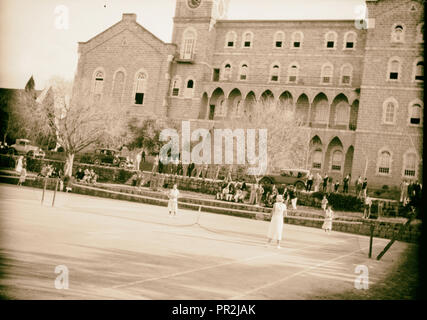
<point x="213" y="154"/>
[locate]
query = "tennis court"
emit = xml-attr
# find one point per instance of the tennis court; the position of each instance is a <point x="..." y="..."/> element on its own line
<point x="124" y="250"/>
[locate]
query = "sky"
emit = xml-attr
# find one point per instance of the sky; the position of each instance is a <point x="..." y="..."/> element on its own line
<point x="33" y="40"/>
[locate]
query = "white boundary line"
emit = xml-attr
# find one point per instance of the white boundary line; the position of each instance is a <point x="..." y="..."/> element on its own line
<point x="295" y="274"/>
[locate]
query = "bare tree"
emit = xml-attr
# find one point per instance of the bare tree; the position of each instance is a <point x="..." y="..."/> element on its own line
<point x="287" y="139"/>
<point x="79" y="122"/>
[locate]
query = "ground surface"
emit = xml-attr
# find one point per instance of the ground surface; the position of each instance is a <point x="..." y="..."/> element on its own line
<point x="123" y="250"/>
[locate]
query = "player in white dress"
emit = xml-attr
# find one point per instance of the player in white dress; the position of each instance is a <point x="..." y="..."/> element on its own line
<point x="329" y="216"/>
<point x="275" y="229"/>
<point x="173" y="201"/>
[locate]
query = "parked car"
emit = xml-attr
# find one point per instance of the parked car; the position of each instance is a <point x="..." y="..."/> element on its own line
<point x="296" y="177"/>
<point x="24" y="147"/>
<point x="110" y="157"/>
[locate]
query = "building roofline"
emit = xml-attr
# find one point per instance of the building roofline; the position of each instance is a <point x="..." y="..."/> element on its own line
<point x="292" y="20"/>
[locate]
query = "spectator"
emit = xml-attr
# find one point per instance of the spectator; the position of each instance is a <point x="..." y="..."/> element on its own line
<point x="138" y="159"/>
<point x="404" y="191"/>
<point x="252" y="197"/>
<point x="143" y="156"/>
<point x="325" y="183"/>
<point x="244" y="190"/>
<point x="364" y="187"/>
<point x="367" y="207"/>
<point x="155" y="164"/>
<point x="293" y="197"/>
<point x="190" y="169"/>
<point x="259" y="194"/>
<point x="358" y="184"/>
<point x="79" y="174"/>
<point x="336" y="186"/>
<point x="346" y="181"/>
<point x="309" y="182"/>
<point x="180" y="170"/>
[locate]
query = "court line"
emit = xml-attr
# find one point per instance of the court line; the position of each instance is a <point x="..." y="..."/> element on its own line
<point x="296" y="274"/>
<point x="210" y="267"/>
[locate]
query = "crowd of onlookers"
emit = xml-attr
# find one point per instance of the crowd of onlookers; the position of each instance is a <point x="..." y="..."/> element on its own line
<point x="256" y="194"/>
<point x="88" y="176"/>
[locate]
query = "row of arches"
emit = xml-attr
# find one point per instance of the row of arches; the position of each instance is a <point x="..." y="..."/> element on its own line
<point x="321" y="111"/>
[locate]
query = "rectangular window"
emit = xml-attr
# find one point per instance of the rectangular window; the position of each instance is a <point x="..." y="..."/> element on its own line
<point x="346" y="79"/>
<point x="297" y="44"/>
<point x="292" y="79"/>
<point x="349" y="45"/>
<point x="415" y="120"/>
<point x="336" y="168"/>
<point x="247" y="44"/>
<point x="243" y="77"/>
<point x="317" y="165"/>
<point x="419" y="77"/>
<point x="384" y="170"/>
<point x="230" y="44"/>
<point x="278" y="44"/>
<point x="216" y="75"/>
<point x="175" y="92"/>
<point x="330" y="44"/>
<point x="139" y="98"/>
<point x="409" y="173"/>
<point x="274" y="78"/>
<point x="394" y="75"/>
<point x="326" y="79"/>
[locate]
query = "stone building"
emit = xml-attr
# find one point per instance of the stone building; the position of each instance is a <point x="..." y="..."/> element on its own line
<point x="356" y="85"/>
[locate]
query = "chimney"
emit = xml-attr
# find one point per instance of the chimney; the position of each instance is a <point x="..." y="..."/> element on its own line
<point x="129" y="17"/>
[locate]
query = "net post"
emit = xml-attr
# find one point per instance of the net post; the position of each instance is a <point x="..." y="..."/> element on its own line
<point x="44" y="189"/>
<point x="371" y="240"/>
<point x="54" y="193"/>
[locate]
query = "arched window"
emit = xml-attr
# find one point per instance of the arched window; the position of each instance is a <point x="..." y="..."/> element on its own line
<point x="346" y="74"/>
<point x="244" y="72"/>
<point x="230" y="39"/>
<point x="394" y="66"/>
<point x="384" y="163"/>
<point x="420" y="33"/>
<point x="350" y="40"/>
<point x="98" y="85"/>
<point x="419" y="70"/>
<point x="279" y="39"/>
<point x="275" y="73"/>
<point x="398" y="33"/>
<point x="227" y="72"/>
<point x="331" y="39"/>
<point x="317" y="159"/>
<point x="140" y="88"/>
<point x="389" y="111"/>
<point x="189" y="88"/>
<point x="327" y="73"/>
<point x="336" y="161"/>
<point x="188" y="44"/>
<point x="297" y="39"/>
<point x="321" y="114"/>
<point x="410" y="165"/>
<point x="293" y="73"/>
<point x="342" y="113"/>
<point x="247" y="39"/>
<point x="415" y="114"/>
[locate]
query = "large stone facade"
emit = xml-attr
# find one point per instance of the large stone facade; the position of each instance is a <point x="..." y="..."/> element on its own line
<point x="357" y="87"/>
